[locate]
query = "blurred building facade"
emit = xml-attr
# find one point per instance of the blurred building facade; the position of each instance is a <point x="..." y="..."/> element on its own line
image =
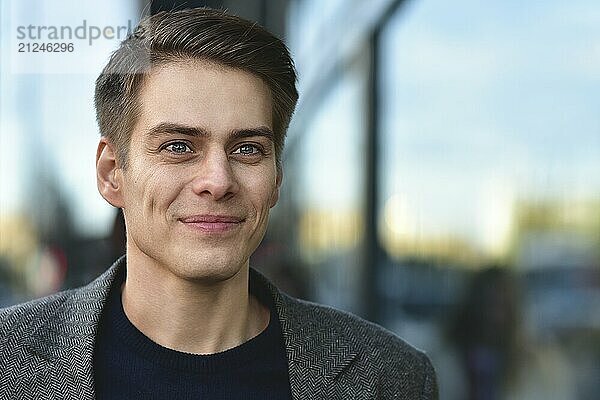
<point x="433" y="140"/>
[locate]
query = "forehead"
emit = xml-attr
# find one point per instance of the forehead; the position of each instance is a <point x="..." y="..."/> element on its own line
<point x="210" y="96"/>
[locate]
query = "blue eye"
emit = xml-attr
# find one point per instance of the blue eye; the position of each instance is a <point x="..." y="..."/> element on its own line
<point x="178" y="148"/>
<point x="247" y="149"/>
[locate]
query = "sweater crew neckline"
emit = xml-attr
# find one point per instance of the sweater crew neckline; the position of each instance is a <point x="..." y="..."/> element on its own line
<point x="238" y="357"/>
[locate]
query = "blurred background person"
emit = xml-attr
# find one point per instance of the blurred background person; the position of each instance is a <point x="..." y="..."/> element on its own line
<point x="493" y="357"/>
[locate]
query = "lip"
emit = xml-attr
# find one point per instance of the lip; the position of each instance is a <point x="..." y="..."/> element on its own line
<point x="211" y="223"/>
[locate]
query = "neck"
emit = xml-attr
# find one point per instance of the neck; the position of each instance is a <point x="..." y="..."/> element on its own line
<point x="191" y="316"/>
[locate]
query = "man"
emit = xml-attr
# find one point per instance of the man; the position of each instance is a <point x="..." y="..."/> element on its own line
<point x="193" y="109"/>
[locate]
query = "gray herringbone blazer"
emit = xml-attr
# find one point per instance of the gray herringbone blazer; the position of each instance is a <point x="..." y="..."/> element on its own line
<point x="46" y="349"/>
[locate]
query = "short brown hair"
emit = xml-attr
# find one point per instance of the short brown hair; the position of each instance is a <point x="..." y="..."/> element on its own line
<point x="196" y="34"/>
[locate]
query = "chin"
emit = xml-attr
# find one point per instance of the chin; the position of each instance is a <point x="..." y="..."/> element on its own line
<point x="212" y="269"/>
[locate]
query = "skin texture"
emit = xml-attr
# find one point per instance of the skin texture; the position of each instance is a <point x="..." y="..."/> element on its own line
<point x="196" y="196"/>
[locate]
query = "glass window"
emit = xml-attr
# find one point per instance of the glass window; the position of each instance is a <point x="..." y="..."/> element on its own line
<point x="51" y="215"/>
<point x="490" y="155"/>
<point x="489" y="114"/>
<point x="326" y="173"/>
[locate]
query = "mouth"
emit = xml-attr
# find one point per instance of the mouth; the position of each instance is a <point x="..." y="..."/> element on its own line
<point x="209" y="223"/>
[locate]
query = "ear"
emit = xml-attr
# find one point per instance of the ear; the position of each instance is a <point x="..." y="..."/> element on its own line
<point x="109" y="177"/>
<point x="275" y="195"/>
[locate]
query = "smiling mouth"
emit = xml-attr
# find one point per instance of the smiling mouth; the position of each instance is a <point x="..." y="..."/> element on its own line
<point x="212" y="223"/>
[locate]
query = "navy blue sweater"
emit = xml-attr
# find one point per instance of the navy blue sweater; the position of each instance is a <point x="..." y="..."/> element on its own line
<point x="128" y="365"/>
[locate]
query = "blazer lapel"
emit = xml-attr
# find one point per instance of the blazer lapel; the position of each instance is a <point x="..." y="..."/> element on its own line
<point x="319" y="351"/>
<point x="64" y="342"/>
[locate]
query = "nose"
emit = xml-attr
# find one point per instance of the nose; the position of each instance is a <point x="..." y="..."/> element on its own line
<point x="215" y="178"/>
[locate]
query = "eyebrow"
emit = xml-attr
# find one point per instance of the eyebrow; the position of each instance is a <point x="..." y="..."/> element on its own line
<point x="186" y="130"/>
<point x="171" y="128"/>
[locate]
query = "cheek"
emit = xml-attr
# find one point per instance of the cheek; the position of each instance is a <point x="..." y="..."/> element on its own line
<point x="150" y="190"/>
<point x="262" y="191"/>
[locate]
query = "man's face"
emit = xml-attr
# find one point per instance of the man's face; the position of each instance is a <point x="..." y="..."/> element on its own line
<point x="202" y="173"/>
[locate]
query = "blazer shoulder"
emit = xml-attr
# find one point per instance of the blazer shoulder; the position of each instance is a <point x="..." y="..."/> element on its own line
<point x="364" y="333"/>
<point x="26" y="317"/>
<point x="80" y="303"/>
